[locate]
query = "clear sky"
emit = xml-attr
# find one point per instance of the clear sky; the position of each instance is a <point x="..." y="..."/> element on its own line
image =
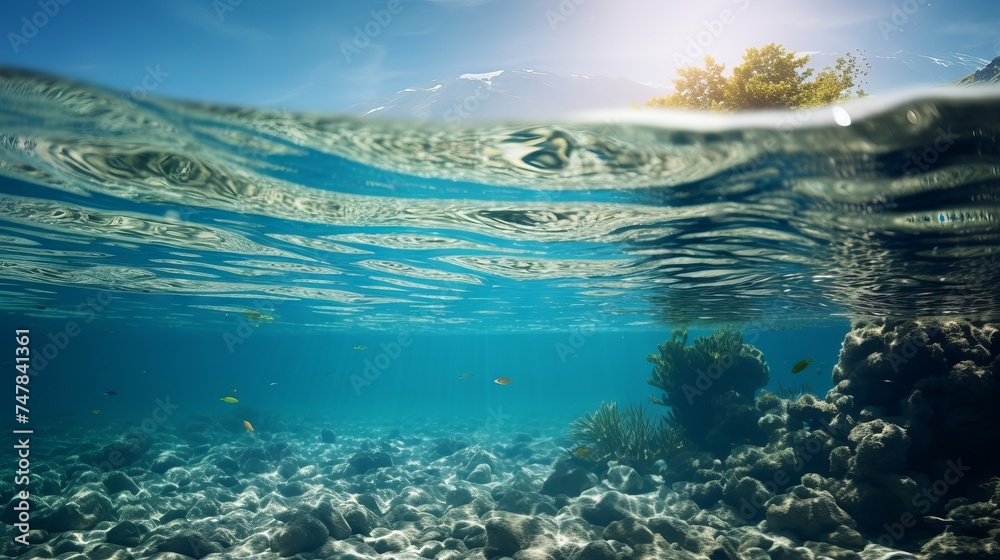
<point x="325" y="55"/>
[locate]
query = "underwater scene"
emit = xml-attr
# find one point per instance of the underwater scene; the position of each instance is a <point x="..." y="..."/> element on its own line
<point x="238" y="331"/>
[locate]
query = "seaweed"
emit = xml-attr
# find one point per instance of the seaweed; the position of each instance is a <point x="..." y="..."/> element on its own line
<point x="793" y="392"/>
<point x="628" y="436"/>
<point x="710" y="387"/>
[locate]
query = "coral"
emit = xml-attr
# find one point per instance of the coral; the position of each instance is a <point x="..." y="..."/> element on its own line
<point x="915" y="402"/>
<point x="881" y="447"/>
<point x="900" y="452"/>
<point x="939" y="382"/>
<point x="813" y="515"/>
<point x="710" y="388"/>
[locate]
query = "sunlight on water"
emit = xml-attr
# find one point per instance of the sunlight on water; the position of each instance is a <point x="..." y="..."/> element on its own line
<point x="882" y="208"/>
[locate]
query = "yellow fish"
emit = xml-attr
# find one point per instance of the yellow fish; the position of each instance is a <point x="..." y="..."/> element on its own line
<point x="248" y="425"/>
<point x="95" y="411"/>
<point x="582" y="451"/>
<point x="230" y="400"/>
<point x="502" y="381"/>
<point x="801" y="365"/>
<point x="257" y="315"/>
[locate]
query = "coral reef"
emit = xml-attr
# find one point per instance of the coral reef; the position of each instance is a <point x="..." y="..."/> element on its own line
<point x="710" y="388"/>
<point x="899" y="452"/>
<point x="896" y="463"/>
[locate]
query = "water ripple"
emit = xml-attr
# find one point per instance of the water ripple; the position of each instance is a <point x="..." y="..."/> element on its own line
<point x="625" y="220"/>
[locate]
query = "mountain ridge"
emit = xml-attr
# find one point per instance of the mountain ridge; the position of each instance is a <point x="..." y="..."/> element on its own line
<point x="989" y="74"/>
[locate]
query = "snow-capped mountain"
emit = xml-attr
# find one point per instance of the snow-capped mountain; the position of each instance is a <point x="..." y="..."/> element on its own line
<point x="508" y="94"/>
<point x="901" y="67"/>
<point x="989" y="74"/>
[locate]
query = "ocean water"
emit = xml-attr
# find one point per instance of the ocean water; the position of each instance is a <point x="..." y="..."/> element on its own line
<point x="366" y="276"/>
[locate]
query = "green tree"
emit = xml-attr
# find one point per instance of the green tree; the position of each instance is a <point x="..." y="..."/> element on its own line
<point x="697" y="88"/>
<point x="835" y="83"/>
<point x="768" y="78"/>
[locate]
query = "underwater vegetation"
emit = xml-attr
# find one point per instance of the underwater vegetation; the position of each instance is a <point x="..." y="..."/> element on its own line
<point x="793" y="392"/>
<point x="629" y="436"/>
<point x="710" y="387"/>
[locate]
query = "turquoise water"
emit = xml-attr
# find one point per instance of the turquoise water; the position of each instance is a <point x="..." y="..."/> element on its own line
<point x="196" y="247"/>
<point x="327" y="270"/>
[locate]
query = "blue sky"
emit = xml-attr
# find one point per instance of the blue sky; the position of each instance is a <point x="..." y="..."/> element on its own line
<point x="325" y="55"/>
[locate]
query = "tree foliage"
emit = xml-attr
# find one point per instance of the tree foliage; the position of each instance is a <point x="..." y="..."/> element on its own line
<point x="769" y="77"/>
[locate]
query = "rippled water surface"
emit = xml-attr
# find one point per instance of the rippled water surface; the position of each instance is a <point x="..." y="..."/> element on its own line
<point x="188" y="213"/>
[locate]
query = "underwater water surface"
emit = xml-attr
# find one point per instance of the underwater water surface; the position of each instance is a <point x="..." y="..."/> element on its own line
<point x="372" y="286"/>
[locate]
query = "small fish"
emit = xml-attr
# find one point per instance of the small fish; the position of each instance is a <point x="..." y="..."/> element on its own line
<point x="273" y="383"/>
<point x="257" y="315"/>
<point x="582" y="451"/>
<point x="230" y="400"/>
<point x="465" y="376"/>
<point x="801" y="365"/>
<point x="110" y="393"/>
<point x="248" y="425"/>
<point x="361" y="347"/>
<point x="502" y="381"/>
<point x="95" y="411"/>
<point x="232" y="388"/>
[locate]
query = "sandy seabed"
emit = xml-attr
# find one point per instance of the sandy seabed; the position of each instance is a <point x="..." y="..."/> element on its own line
<point x="314" y="488"/>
